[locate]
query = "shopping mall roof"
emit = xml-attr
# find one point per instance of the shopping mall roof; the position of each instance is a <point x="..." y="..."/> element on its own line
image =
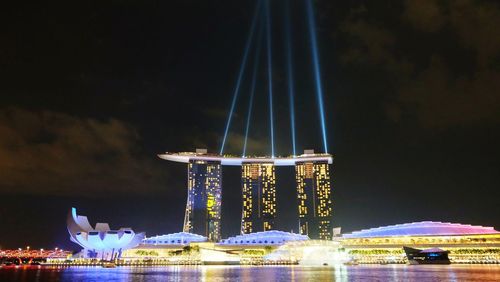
<point x="180" y="238"/>
<point x="423" y="228"/>
<point x="185" y="157"/>
<point x="271" y="237"/>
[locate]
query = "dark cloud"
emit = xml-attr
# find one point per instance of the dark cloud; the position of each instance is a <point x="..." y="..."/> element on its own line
<point x="234" y="143"/>
<point x="255" y="146"/>
<point x="474" y="22"/>
<point x="426" y="82"/>
<point x="477" y="24"/>
<point x="439" y="100"/>
<point x="215" y="113"/>
<point x="54" y="153"/>
<point x="373" y="45"/>
<point x="425" y="15"/>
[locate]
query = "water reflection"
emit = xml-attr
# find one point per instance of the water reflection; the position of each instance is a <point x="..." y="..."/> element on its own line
<point x="256" y="273"/>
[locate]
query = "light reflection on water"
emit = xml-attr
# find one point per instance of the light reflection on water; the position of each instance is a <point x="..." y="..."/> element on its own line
<point x="257" y="273"/>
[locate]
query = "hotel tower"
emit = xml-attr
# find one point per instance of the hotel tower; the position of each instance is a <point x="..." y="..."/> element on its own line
<point x="258" y="183"/>
<point x="203" y="208"/>
<point x="314" y="197"/>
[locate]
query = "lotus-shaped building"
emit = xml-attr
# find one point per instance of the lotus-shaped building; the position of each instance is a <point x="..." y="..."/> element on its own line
<point x="100" y="241"/>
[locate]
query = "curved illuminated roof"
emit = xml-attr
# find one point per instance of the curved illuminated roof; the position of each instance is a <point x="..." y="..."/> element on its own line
<point x="180" y="238"/>
<point x="424" y="228"/>
<point x="185" y="157"/>
<point x="271" y="237"/>
<point x="101" y="237"/>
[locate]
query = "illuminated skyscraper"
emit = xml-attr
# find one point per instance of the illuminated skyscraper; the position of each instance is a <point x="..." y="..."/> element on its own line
<point x="203" y="208"/>
<point x="314" y="199"/>
<point x="258" y="183"/>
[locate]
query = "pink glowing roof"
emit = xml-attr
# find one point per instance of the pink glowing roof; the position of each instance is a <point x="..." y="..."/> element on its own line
<point x="423" y="228"/>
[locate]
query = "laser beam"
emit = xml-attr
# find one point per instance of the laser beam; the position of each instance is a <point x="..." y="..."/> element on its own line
<point x="289" y="70"/>
<point x="252" y="89"/>
<point x="316" y="68"/>
<point x="269" y="72"/>
<point x="240" y="75"/>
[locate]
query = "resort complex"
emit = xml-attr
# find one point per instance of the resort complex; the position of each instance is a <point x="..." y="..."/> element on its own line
<point x="382" y="245"/>
<point x="316" y="243"/>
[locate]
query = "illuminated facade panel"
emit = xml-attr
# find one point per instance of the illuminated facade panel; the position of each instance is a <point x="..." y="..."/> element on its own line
<point x="258" y="183"/>
<point x="272" y="237"/>
<point x="423" y="228"/>
<point x="314" y="199"/>
<point x="203" y="208"/>
<point x="465" y="243"/>
<point x="180" y="238"/>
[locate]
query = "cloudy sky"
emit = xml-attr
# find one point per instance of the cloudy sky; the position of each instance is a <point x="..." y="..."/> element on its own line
<point x="92" y="91"/>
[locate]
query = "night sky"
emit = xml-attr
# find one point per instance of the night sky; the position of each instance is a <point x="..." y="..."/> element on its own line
<point x="91" y="91"/>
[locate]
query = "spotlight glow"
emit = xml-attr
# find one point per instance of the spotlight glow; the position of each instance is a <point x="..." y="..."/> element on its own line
<point x="315" y="57"/>
<point x="270" y="76"/>
<point x="240" y="75"/>
<point x="291" y="89"/>
<point x="252" y="89"/>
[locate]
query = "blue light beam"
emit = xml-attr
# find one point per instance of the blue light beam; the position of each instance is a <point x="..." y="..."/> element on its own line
<point x="240" y="75"/>
<point x="291" y="89"/>
<point x="270" y="75"/>
<point x="315" y="56"/>
<point x="252" y="90"/>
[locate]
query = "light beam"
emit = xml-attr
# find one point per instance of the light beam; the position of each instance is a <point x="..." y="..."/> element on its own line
<point x="291" y="89"/>
<point x="269" y="73"/>
<point x="252" y="89"/>
<point x="240" y="75"/>
<point x="315" y="57"/>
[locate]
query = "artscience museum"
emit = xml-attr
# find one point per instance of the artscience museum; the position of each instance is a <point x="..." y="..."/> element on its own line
<point x="100" y="241"/>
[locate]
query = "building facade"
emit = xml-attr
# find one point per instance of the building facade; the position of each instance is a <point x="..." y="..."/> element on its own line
<point x="258" y="183"/>
<point x="314" y="197"/>
<point x="203" y="208"/>
<point x="465" y="243"/>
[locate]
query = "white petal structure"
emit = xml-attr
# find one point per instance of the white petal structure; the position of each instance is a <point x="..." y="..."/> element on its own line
<point x="101" y="238"/>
